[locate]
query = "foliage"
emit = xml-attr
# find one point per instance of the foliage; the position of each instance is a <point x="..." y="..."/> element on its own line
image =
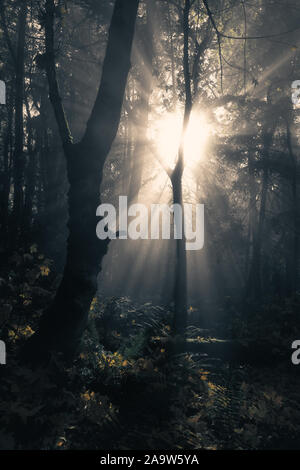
<point x="138" y="397"/>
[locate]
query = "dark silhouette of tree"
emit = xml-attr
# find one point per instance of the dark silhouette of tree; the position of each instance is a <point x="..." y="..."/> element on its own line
<point x="63" y="323"/>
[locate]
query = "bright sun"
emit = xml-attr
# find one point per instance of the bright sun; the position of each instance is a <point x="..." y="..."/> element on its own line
<point x="165" y="134"/>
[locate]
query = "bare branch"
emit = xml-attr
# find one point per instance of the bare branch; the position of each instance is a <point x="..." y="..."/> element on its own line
<point x="244" y="37"/>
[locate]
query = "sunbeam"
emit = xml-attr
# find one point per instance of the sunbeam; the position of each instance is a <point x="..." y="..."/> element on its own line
<point x="165" y="132"/>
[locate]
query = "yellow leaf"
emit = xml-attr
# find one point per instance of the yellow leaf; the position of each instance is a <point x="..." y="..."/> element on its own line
<point x="45" y="270"/>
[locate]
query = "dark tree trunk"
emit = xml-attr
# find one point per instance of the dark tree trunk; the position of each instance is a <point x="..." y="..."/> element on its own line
<point x="180" y="287"/>
<point x="180" y="284"/>
<point x="30" y="177"/>
<point x="6" y="172"/>
<point x="295" y="210"/>
<point x="18" y="165"/>
<point x="252" y="215"/>
<point x="64" y="322"/>
<point x="171" y="40"/>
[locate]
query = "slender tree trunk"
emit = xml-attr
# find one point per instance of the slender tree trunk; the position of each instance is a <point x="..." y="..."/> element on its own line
<point x="296" y="222"/>
<point x="180" y="284"/>
<point x="180" y="287"/>
<point x="255" y="285"/>
<point x="252" y="215"/>
<point x="29" y="177"/>
<point x="19" y="130"/>
<point x="174" y="92"/>
<point x="64" y="322"/>
<point x="7" y="171"/>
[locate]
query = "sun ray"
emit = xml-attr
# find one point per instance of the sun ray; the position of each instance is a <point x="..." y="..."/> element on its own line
<point x="165" y="133"/>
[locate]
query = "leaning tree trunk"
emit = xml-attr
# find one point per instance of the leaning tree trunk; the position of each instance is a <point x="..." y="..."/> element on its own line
<point x="64" y="322"/>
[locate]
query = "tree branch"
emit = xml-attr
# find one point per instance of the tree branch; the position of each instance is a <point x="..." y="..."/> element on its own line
<point x="218" y="39"/>
<point x="243" y="38"/>
<point x="108" y="103"/>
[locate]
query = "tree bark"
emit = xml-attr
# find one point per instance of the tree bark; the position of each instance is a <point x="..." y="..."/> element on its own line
<point x="180" y="286"/>
<point x="6" y="180"/>
<point x="254" y="283"/>
<point x="295" y="210"/>
<point x="30" y="177"/>
<point x="18" y="165"/>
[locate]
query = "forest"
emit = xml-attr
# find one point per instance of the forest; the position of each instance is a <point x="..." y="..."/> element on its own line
<point x="149" y="225"/>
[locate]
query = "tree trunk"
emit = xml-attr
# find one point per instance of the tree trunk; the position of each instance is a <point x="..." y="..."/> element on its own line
<point x="30" y="177"/>
<point x="180" y="286"/>
<point x="19" y="130"/>
<point x="6" y="172"/>
<point x="254" y="285"/>
<point x="295" y="244"/>
<point x="173" y="75"/>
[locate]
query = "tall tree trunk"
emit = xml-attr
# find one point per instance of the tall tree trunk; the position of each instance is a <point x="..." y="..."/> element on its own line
<point x="180" y="287"/>
<point x="64" y="322"/>
<point x="6" y="171"/>
<point x="171" y="40"/>
<point x="19" y="130"/>
<point x="254" y="285"/>
<point x="29" y="176"/>
<point x="296" y="221"/>
<point x="180" y="284"/>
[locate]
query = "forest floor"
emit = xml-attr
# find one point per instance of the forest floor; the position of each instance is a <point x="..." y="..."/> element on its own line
<point x="126" y="391"/>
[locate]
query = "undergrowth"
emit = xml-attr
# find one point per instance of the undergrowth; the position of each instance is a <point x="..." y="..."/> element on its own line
<point x="125" y="390"/>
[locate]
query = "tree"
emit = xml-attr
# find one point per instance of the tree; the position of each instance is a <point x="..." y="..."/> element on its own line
<point x="180" y="287"/>
<point x="19" y="128"/>
<point x="63" y="323"/>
